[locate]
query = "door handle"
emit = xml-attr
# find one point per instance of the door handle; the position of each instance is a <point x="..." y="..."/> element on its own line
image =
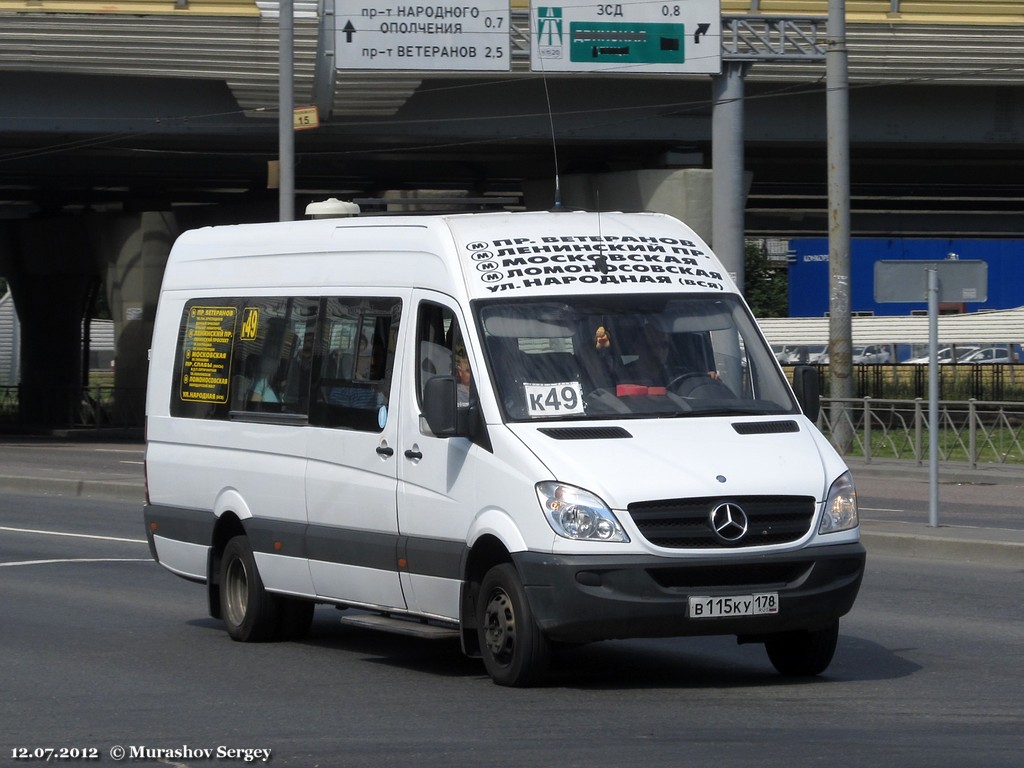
<point x="413" y="454"/>
<point x="385" y="450"/>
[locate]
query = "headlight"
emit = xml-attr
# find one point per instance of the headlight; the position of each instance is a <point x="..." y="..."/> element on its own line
<point x="578" y="514"/>
<point x="840" y="506"/>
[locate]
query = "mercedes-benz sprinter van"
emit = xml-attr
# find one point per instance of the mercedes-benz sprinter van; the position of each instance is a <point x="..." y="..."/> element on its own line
<point x="529" y="430"/>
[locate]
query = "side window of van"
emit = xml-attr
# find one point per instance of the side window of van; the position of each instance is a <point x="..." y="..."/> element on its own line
<point x="274" y="355"/>
<point x="440" y="350"/>
<point x="356" y="359"/>
<point x="204" y="364"/>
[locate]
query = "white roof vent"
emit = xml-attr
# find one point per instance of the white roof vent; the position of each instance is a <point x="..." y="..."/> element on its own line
<point x="332" y="208"/>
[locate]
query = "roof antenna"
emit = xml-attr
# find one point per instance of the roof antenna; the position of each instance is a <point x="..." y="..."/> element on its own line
<point x="600" y="258"/>
<point x="554" y="145"/>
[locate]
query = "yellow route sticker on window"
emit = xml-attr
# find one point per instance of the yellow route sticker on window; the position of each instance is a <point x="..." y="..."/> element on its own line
<point x="206" y="354"/>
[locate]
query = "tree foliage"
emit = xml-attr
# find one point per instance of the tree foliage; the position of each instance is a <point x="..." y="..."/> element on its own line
<point x="765" y="287"/>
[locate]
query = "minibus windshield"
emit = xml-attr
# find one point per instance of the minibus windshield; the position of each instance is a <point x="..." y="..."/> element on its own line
<point x="629" y="356"/>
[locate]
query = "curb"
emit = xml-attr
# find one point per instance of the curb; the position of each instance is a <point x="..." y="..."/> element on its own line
<point x="948" y="474"/>
<point x="85" y="489"/>
<point x="921" y="545"/>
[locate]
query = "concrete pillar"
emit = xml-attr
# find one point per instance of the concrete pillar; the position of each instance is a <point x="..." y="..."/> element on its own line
<point x="685" y="193"/>
<point x="52" y="273"/>
<point x="132" y="250"/>
<point x="730" y="189"/>
<point x="10" y="329"/>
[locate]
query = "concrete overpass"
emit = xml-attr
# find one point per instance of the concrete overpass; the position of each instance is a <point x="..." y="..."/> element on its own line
<point x="123" y="123"/>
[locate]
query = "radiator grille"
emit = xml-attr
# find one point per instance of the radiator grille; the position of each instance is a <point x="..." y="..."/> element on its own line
<point x="686" y="523"/>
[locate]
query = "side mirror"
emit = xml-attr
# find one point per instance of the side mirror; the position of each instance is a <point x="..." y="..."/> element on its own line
<point x="440" y="406"/>
<point x="808" y="392"/>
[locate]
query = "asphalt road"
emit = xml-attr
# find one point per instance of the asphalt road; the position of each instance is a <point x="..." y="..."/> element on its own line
<point x="104" y="649"/>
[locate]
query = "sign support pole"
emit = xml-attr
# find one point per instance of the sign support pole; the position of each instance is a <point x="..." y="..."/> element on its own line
<point x="953" y="280"/>
<point x="933" y="397"/>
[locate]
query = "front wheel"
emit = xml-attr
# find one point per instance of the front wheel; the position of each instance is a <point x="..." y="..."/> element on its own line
<point x="252" y="615"/>
<point x="515" y="651"/>
<point x="803" y="653"/>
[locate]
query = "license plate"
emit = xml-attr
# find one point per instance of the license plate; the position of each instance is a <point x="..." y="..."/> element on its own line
<point x="734" y="605"/>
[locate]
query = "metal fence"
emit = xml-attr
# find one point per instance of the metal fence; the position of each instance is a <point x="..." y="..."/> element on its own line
<point x="973" y="431"/>
<point x="978" y="432"/>
<point x="956" y="382"/>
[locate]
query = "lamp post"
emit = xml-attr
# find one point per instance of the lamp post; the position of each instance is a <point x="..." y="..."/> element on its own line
<point x="285" y="103"/>
<point x="840" y="329"/>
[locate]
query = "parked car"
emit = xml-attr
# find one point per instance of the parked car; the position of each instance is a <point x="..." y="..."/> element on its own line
<point x="872" y="354"/>
<point x="946" y="355"/>
<point x="869" y="354"/>
<point x="989" y="355"/>
<point x="794" y="354"/>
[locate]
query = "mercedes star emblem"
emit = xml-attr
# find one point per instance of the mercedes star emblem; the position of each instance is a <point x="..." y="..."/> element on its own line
<point x="729" y="522"/>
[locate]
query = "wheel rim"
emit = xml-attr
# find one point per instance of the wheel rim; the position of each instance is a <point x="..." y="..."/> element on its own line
<point x="500" y="626"/>
<point x="237" y="592"/>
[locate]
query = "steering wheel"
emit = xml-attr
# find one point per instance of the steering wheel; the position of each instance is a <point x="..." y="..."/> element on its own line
<point x="677" y="381"/>
<point x="696" y="378"/>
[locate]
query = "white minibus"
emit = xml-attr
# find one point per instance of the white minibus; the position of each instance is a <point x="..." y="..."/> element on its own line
<point x="525" y="430"/>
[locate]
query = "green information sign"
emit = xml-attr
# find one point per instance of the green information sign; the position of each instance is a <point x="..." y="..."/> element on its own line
<point x="626" y="38"/>
<point x="627" y="43"/>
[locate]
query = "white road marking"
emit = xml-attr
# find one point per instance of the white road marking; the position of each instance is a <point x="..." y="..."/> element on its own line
<point x="72" y="535"/>
<point x="82" y="560"/>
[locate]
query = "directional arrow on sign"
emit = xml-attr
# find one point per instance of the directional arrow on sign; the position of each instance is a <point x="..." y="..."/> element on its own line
<point x="348" y="29"/>
<point x="702" y="29"/>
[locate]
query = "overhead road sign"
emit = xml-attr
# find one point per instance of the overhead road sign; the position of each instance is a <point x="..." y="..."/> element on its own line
<point x="423" y="36"/>
<point x="627" y="37"/>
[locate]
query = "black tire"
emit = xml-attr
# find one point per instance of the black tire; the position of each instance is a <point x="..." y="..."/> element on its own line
<point x="804" y="653"/>
<point x="252" y="615"/>
<point x="514" y="650"/>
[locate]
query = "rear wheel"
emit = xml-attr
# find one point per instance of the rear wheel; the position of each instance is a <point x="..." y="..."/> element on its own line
<point x="251" y="614"/>
<point x="803" y="653"/>
<point x="515" y="651"/>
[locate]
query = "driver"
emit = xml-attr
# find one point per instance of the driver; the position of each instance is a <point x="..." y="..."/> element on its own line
<point x="660" y="363"/>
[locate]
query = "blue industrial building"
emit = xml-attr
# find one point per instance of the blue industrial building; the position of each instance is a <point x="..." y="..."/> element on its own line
<point x="808" y="272"/>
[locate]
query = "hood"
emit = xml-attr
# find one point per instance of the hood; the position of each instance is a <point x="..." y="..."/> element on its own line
<point x="637" y="460"/>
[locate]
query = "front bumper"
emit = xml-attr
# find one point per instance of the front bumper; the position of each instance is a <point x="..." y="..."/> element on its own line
<point x="587" y="598"/>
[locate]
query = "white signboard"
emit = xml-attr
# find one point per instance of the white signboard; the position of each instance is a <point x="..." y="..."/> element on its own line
<point x="563" y="399"/>
<point x="423" y="36"/>
<point x="626" y="37"/>
<point x="907" y="280"/>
